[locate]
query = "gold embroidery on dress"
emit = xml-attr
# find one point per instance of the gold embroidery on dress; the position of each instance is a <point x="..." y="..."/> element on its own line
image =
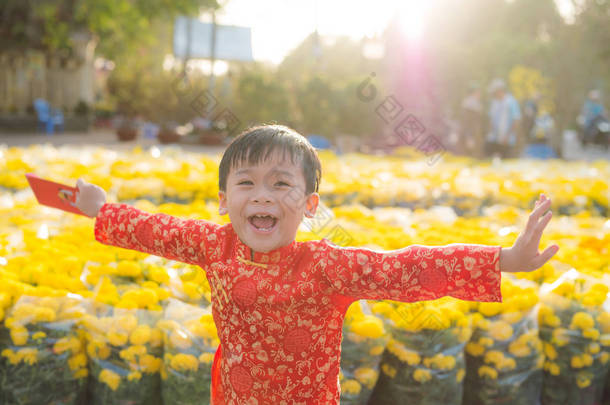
<point x="246" y="261"/>
<point x="222" y="290"/>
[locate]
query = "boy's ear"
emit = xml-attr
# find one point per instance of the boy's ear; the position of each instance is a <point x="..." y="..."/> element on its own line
<point x="222" y="203"/>
<point x="311" y="205"/>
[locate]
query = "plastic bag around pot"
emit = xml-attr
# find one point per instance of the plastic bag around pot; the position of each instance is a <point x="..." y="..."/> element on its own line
<point x="575" y="330"/>
<point x="504" y="355"/>
<point x="423" y="363"/>
<point x="364" y="339"/>
<point x="190" y="342"/>
<point x="42" y="352"/>
<point x="125" y="349"/>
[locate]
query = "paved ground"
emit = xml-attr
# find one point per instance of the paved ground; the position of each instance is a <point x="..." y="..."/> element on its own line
<point x="107" y="138"/>
<point x="104" y="137"/>
<point x="573" y="150"/>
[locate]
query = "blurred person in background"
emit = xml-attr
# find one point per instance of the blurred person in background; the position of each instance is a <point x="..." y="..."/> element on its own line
<point x="530" y="113"/>
<point x="503" y="138"/>
<point x="471" y="122"/>
<point x="592" y="112"/>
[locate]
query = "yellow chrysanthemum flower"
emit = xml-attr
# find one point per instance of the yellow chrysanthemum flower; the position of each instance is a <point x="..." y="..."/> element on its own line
<point x="67" y="343"/>
<point x="368" y="326"/>
<point x="490" y="309"/>
<point x="351" y="387"/>
<point x="422" y="375"/>
<point x="366" y="376"/>
<point x="583" y="379"/>
<point x="141" y="335"/>
<point x="184" y="362"/>
<point x="560" y="337"/>
<point x="591" y="333"/>
<point x="408" y="356"/>
<point x="134" y="376"/>
<point x="150" y="363"/>
<point x="128" y="268"/>
<point x="488" y="372"/>
<point x="388" y="370"/>
<point x="39" y="335"/>
<point x="582" y="320"/>
<point x="440" y="362"/>
<point x="117" y="338"/>
<point x="110" y="378"/>
<point x="19" y="335"/>
<point x="206" y="358"/>
<point x="550" y="351"/>
<point x="552" y="368"/>
<point x="475" y="349"/>
<point x="500" y="330"/>
<point x="77" y="361"/>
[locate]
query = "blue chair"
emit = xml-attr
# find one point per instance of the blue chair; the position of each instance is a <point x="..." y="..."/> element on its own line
<point x="319" y="142"/>
<point x="48" y="117"/>
<point x="539" y="151"/>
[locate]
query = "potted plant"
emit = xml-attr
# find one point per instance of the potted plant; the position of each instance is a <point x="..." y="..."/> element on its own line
<point x="167" y="132"/>
<point x="81" y="121"/>
<point x="126" y="129"/>
<point x="215" y="134"/>
<point x="126" y="124"/>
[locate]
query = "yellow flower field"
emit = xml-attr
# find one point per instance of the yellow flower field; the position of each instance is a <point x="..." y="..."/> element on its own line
<point x="52" y="270"/>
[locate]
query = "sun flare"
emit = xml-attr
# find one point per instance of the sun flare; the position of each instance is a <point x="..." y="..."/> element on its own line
<point x="412" y="16"/>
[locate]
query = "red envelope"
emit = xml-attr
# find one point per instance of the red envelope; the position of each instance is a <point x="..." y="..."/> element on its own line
<point x="53" y="194"/>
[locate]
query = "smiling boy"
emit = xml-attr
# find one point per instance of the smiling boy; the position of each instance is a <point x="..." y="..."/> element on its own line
<point x="279" y="304"/>
<point x="269" y="194"/>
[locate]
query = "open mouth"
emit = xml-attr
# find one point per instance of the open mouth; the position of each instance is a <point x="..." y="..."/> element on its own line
<point x="263" y="223"/>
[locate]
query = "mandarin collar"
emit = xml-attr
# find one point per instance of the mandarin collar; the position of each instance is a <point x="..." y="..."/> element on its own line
<point x="247" y="254"/>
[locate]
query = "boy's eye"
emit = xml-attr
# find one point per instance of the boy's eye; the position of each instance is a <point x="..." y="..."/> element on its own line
<point x="244" y="182"/>
<point x="282" y="183"/>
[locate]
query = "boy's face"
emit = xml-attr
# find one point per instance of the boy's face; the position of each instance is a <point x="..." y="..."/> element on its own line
<point x="266" y="202"/>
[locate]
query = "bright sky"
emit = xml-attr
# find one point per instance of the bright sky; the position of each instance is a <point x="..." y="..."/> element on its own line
<point x="278" y="26"/>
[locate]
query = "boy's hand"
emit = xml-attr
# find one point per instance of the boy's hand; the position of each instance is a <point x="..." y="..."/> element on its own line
<point x="89" y="198"/>
<point x="524" y="256"/>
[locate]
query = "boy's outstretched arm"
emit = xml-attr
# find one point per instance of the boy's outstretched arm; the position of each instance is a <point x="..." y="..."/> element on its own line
<point x="415" y="273"/>
<point x="187" y="240"/>
<point x="524" y="255"/>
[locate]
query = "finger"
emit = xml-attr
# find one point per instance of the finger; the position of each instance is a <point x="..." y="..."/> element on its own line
<point x="541" y="198"/>
<point x="544" y="257"/>
<point x="544" y="221"/>
<point x="78" y="186"/>
<point x="80" y="182"/>
<point x="535" y="215"/>
<point x="539" y="228"/>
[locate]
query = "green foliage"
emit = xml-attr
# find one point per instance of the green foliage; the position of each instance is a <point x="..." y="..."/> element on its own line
<point x="261" y="97"/>
<point x="119" y="25"/>
<point x="314" y="87"/>
<point x="316" y="99"/>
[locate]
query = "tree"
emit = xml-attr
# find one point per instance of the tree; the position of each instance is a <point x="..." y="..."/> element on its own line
<point x="323" y="75"/>
<point x="118" y="25"/>
<point x="262" y="98"/>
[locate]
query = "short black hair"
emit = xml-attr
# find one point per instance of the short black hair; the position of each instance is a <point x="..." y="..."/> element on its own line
<point x="257" y="143"/>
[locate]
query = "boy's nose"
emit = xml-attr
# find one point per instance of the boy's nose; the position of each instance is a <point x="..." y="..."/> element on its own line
<point x="261" y="199"/>
<point x="261" y="195"/>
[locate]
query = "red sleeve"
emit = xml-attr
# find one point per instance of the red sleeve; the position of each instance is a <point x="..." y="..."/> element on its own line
<point x="415" y="273"/>
<point x="186" y="240"/>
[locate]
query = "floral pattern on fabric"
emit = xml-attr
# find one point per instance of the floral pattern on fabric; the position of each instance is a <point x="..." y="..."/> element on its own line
<point x="280" y="314"/>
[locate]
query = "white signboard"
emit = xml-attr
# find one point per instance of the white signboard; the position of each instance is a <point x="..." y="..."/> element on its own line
<point x="232" y="43"/>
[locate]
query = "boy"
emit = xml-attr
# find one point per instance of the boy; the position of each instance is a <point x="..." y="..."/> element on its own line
<point x="279" y="304"/>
